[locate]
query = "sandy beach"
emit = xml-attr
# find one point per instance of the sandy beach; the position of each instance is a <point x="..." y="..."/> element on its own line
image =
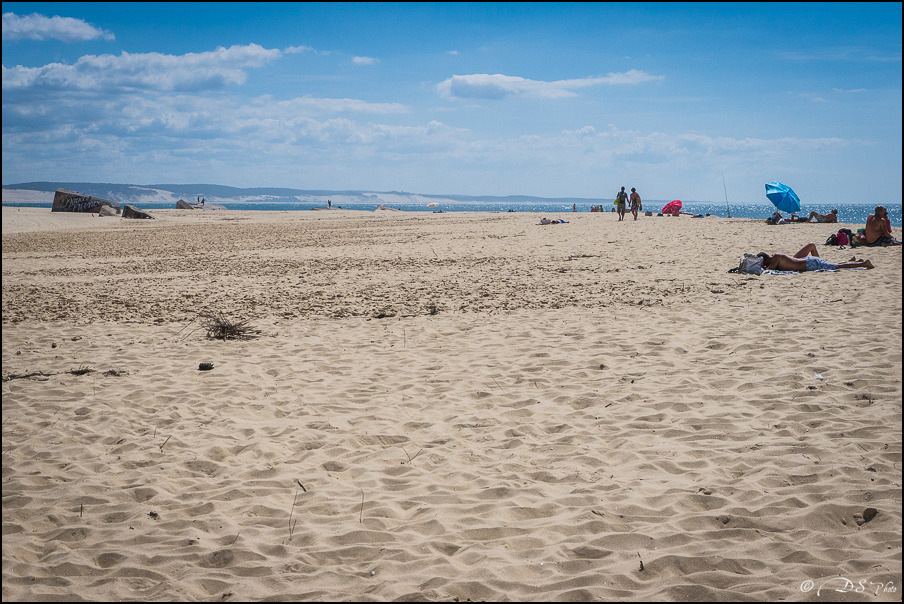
<point x="457" y="407"/>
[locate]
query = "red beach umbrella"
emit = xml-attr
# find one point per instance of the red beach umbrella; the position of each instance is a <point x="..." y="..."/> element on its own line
<point x="673" y="207"/>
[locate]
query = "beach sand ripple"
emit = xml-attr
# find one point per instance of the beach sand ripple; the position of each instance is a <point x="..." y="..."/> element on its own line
<point x="445" y="407"/>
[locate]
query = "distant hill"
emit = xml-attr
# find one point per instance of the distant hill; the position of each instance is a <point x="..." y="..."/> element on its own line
<point x="137" y="194"/>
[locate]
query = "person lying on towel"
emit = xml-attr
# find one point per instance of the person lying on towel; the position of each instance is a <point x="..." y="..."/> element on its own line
<point x="807" y="259"/>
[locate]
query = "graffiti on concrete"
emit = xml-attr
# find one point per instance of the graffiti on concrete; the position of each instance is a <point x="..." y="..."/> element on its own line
<point x="70" y="201"/>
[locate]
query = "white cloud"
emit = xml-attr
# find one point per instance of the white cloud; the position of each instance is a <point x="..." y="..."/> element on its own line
<point x="294" y="50"/>
<point x="313" y="105"/>
<point x="365" y="60"/>
<point x="497" y="86"/>
<point x="146" y="71"/>
<point x="39" y="27"/>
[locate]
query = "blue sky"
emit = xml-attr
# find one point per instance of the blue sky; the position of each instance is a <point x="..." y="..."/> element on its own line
<point x="554" y="100"/>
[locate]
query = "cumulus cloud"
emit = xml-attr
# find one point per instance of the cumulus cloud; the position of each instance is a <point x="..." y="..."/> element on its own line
<point x="497" y="86"/>
<point x="144" y="71"/>
<point x="39" y="27"/>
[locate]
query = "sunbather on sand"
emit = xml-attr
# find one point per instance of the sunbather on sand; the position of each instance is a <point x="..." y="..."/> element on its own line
<point x="817" y="217"/>
<point x="777" y="218"/>
<point x="807" y="259"/>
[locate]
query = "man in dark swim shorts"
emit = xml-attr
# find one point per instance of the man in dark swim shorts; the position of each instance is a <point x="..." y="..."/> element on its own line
<point x="807" y="259"/>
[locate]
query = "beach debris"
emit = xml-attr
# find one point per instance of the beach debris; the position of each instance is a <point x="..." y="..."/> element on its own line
<point x="410" y="458"/>
<point x="865" y="516"/>
<point x="205" y="366"/>
<point x="43" y="376"/>
<point x="20" y="376"/>
<point x="292" y="511"/>
<point x="220" y="328"/>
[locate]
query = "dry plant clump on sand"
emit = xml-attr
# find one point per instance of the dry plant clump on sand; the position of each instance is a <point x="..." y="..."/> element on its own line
<point x="220" y="328"/>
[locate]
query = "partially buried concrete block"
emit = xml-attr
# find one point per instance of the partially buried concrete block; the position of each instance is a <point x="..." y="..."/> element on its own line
<point x="70" y="201"/>
<point x="133" y="212"/>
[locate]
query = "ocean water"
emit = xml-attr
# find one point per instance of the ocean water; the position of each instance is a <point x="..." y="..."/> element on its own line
<point x="847" y="213"/>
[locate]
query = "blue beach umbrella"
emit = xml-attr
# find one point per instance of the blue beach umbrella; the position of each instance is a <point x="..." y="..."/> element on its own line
<point x="783" y="197"/>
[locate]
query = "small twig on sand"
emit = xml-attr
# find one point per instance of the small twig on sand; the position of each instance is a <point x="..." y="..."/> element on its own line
<point x="410" y="458"/>
<point x="292" y="511"/>
<point x="164" y="442"/>
<point x="361" y="514"/>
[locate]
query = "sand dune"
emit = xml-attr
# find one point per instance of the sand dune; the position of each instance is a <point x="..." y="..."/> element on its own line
<point x="445" y="407"/>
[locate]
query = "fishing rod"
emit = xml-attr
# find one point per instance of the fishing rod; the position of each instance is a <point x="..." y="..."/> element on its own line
<point x="726" y="194"/>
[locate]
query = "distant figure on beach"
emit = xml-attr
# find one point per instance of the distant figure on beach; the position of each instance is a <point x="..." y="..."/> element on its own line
<point x="777" y="218"/>
<point x="817" y="217"/>
<point x="807" y="259"/>
<point x="621" y="202"/>
<point x="635" y="202"/>
<point x="574" y="207"/>
<point x="545" y="220"/>
<point x="878" y="229"/>
<point x="329" y="203"/>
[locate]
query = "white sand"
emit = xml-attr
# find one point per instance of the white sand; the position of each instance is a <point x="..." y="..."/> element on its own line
<point x="445" y="406"/>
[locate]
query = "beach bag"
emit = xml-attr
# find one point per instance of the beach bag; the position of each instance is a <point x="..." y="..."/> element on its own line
<point x="833" y="239"/>
<point x="751" y="264"/>
<point x="841" y="238"/>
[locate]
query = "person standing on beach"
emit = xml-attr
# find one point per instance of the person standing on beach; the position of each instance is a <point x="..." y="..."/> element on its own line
<point x="635" y="202"/>
<point x="621" y="201"/>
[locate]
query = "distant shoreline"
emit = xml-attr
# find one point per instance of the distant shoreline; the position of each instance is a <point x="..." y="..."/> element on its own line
<point x="848" y="213"/>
